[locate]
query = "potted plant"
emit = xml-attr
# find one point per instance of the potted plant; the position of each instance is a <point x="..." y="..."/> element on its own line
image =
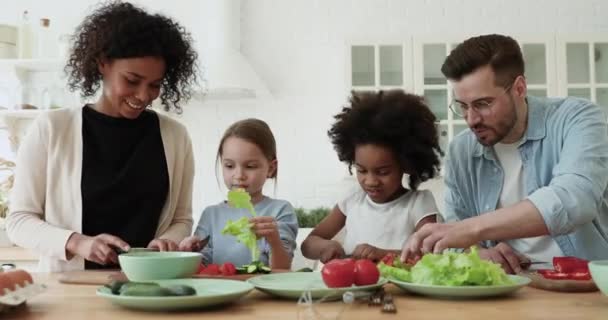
<point x="5" y="187"/>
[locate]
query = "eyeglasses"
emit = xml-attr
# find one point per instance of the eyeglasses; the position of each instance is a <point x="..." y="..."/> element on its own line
<point x="482" y="106"/>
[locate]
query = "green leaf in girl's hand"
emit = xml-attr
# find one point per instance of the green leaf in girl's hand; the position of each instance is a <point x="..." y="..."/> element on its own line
<point x="239" y="198"/>
<point x="241" y="228"/>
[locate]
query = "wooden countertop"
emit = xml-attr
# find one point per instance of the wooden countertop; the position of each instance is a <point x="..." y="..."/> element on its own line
<point x="76" y="302"/>
<point x="17" y="254"/>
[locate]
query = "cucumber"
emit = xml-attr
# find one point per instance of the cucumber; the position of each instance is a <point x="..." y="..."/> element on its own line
<point x="265" y="269"/>
<point x="252" y="268"/>
<point x="144" y="290"/>
<point x="181" y="290"/>
<point x="115" y="286"/>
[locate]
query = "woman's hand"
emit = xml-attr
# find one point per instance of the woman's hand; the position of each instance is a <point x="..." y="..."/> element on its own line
<point x="163" y="245"/>
<point x="100" y="249"/>
<point x="192" y="244"/>
<point x="266" y="227"/>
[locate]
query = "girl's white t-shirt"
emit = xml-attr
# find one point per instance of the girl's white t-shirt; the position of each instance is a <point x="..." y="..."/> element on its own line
<point x="384" y="225"/>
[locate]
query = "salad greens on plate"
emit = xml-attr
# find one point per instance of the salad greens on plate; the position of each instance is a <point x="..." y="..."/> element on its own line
<point x="448" y="269"/>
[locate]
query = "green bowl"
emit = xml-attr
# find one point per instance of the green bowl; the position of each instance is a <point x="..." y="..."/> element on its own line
<point x="145" y="265"/>
<point x="599" y="273"/>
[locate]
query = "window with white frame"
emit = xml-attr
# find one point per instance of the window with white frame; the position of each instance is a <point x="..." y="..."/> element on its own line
<point x="583" y="67"/>
<point x="375" y="67"/>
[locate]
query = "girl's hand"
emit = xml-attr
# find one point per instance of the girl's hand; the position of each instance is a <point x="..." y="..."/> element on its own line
<point x="367" y="251"/>
<point x="192" y="244"/>
<point x="266" y="227"/>
<point x="100" y="249"/>
<point x="333" y="250"/>
<point x="163" y="245"/>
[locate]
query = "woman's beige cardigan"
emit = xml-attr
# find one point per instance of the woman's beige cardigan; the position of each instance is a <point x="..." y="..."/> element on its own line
<point x="46" y="200"/>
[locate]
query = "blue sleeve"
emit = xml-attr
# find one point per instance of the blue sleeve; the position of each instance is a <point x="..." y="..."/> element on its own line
<point x="579" y="180"/>
<point x="455" y="208"/>
<point x="288" y="227"/>
<point x="203" y="230"/>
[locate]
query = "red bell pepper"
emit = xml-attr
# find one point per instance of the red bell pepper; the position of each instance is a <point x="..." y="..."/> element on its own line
<point x="570" y="264"/>
<point x="553" y="274"/>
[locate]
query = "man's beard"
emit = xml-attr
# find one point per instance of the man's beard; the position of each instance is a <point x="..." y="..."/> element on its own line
<point x="501" y="130"/>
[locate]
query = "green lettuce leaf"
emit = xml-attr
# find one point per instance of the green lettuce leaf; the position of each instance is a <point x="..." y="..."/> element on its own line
<point x="458" y="269"/>
<point x="239" y="198"/>
<point x="241" y="228"/>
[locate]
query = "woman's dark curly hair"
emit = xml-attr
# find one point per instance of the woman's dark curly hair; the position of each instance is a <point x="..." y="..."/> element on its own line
<point x="118" y="30"/>
<point x="394" y="119"/>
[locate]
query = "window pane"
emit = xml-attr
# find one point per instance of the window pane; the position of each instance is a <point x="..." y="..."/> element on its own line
<point x="391" y="66"/>
<point x="577" y="59"/>
<point x="580" y="92"/>
<point x="601" y="62"/>
<point x="433" y="56"/>
<point x="363" y="65"/>
<point x="438" y="102"/>
<point x="602" y="98"/>
<point x="536" y="66"/>
<point x="537" y="92"/>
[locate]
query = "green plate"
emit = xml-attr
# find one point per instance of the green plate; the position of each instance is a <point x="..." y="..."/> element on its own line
<point x="291" y="285"/>
<point x="209" y="292"/>
<point x="465" y="291"/>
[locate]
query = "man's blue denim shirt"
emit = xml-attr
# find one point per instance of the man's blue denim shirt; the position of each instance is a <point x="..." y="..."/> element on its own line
<point x="564" y="154"/>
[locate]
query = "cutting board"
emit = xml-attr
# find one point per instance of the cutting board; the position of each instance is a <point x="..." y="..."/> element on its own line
<point x="91" y="277"/>
<point x="541" y="282"/>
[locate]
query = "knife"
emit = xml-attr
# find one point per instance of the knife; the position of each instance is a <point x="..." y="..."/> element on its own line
<point x="528" y="264"/>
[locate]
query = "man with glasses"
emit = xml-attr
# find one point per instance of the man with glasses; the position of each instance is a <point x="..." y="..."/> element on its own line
<point x="529" y="180"/>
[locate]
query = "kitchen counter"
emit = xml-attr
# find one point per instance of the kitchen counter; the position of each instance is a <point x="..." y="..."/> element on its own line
<point x="76" y="302"/>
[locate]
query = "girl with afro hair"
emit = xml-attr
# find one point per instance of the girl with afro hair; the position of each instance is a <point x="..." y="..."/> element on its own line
<point x="387" y="136"/>
<point x="113" y="174"/>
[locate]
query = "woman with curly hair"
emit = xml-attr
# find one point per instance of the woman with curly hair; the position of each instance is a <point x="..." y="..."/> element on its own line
<point x="385" y="135"/>
<point x="112" y="174"/>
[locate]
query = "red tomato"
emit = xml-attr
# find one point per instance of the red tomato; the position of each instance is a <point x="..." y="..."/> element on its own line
<point x="339" y="273"/>
<point x="228" y="269"/>
<point x="366" y="272"/>
<point x="570" y="264"/>
<point x="201" y="269"/>
<point x="388" y="259"/>
<point x="19" y="277"/>
<point x="212" y="269"/>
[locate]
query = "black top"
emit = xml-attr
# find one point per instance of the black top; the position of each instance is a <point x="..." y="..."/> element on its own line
<point x="125" y="181"/>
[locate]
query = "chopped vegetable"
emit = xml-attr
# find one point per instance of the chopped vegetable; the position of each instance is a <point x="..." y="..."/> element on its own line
<point x="570" y="264"/>
<point x="567" y="268"/>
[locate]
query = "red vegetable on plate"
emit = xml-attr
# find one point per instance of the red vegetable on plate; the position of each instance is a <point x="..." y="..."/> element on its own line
<point x="339" y="273"/>
<point x="567" y="268"/>
<point x="366" y="272"/>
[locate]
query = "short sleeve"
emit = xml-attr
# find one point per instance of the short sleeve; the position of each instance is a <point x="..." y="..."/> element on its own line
<point x="424" y="206"/>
